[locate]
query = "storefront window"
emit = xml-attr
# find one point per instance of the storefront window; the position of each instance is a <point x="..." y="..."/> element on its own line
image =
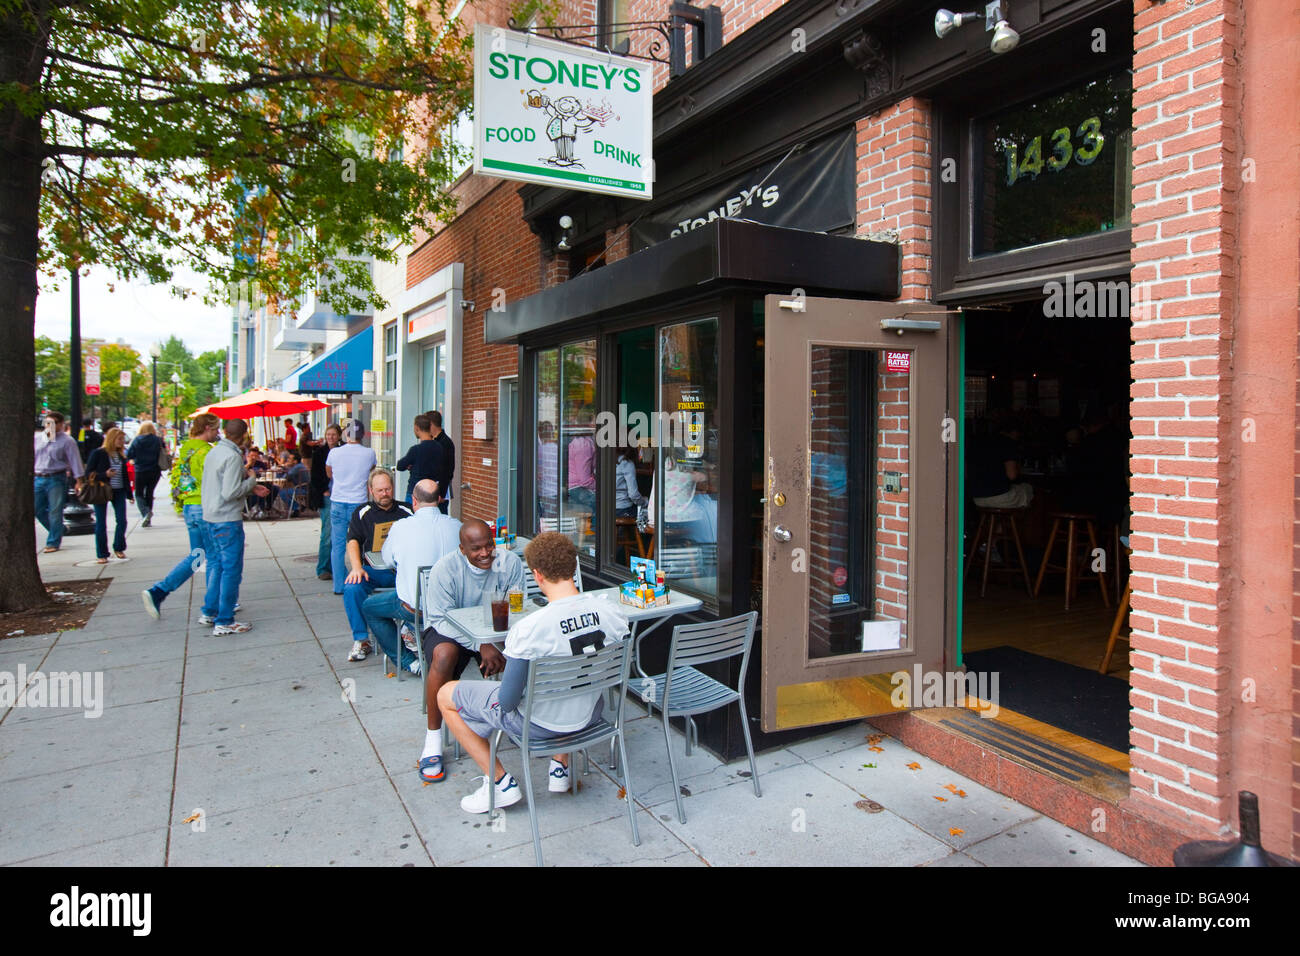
<point x="566" y="459"/>
<point x="685" y="492"/>
<point x="1054" y="168"/>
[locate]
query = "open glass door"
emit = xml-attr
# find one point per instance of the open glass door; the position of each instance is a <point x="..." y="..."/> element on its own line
<point x="857" y="500"/>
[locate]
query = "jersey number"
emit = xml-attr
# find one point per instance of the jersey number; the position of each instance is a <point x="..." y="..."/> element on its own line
<point x="587" y="643"/>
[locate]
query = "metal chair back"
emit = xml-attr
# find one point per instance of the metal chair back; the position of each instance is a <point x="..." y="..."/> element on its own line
<point x="694" y="644"/>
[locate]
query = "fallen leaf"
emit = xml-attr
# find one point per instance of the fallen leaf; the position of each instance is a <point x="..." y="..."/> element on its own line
<point x="942" y="799"/>
<point x="877" y="750"/>
<point x="869" y="805"/>
<point x="622" y="793"/>
<point x="956" y="831"/>
<point x="960" y="793"/>
<point x="950" y="787"/>
<point x="869" y="766"/>
<point x="875" y="738"/>
<point x="913" y="766"/>
<point x="389" y="676"/>
<point x="191" y="818"/>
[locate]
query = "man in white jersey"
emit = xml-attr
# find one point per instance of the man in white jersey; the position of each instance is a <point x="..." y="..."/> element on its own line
<point x="571" y="623"/>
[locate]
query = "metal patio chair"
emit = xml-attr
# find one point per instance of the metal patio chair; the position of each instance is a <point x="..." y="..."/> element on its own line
<point x="682" y="691"/>
<point x="558" y="678"/>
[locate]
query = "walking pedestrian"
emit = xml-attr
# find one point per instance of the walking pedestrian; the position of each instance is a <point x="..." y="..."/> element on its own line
<point x="146" y="451"/>
<point x="318" y="497"/>
<point x="348" y="467"/>
<point x="187" y="490"/>
<point x="225" y="484"/>
<point x="108" y="463"/>
<point x="56" y="458"/>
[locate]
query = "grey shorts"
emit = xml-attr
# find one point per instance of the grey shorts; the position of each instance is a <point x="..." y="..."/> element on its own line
<point x="480" y="709"/>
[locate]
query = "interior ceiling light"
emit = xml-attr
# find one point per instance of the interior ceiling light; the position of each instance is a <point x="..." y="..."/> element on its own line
<point x="1005" y="38"/>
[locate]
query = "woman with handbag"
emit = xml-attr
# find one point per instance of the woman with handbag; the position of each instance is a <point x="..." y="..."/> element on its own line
<point x="107" y="483"/>
<point x="146" y="451"/>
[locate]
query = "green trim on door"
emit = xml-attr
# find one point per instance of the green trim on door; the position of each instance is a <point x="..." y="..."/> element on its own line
<point x="961" y="479"/>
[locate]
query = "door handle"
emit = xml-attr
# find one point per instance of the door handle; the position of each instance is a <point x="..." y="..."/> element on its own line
<point x="781" y="534"/>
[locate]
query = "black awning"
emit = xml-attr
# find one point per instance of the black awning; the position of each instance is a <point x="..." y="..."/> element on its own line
<point x="723" y="253"/>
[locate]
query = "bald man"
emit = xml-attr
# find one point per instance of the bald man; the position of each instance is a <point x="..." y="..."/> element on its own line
<point x="460" y="580"/>
<point x="419" y="541"/>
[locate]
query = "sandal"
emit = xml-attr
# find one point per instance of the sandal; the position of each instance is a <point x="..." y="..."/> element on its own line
<point x="101" y="560"/>
<point x="120" y="554"/>
<point x="434" y="766"/>
<point x="49" y="550"/>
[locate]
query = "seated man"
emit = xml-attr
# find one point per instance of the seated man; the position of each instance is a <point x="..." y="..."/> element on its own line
<point x="571" y="623"/>
<point x="459" y="580"/>
<point x="367" y="530"/>
<point x="410" y="545"/>
<point x="297" y="477"/>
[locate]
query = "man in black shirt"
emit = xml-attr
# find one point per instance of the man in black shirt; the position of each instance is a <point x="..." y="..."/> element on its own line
<point x="993" y="476"/>
<point x="425" y="458"/>
<point x="448" y="459"/>
<point x="90" y="439"/>
<point x="366" y="532"/>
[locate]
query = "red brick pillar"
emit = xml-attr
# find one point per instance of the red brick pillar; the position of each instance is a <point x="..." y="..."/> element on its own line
<point x="1185" y="184"/>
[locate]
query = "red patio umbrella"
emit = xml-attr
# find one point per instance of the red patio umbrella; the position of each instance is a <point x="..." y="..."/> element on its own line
<point x="263" y="403"/>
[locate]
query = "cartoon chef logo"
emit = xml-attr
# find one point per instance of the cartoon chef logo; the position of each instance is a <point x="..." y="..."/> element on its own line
<point x="567" y="118"/>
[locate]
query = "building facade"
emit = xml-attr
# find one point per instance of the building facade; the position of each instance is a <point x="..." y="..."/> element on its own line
<point x="872" y="254"/>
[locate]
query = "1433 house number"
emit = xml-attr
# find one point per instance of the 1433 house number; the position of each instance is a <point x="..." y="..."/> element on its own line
<point x="1063" y="151"/>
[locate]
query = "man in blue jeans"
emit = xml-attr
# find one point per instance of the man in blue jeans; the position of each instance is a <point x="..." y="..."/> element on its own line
<point x="187" y="481"/>
<point x="348" y="468"/>
<point x="367" y="532"/>
<point x="414" y="543"/>
<point x="226" y="483"/>
<point x="57" y="456"/>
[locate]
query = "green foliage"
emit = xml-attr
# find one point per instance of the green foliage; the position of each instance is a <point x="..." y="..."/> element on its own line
<point x="53" y="365"/>
<point x="253" y="143"/>
<point x="129" y="400"/>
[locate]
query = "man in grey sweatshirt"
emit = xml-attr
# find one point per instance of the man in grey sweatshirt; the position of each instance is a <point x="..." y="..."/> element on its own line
<point x="226" y="483"/>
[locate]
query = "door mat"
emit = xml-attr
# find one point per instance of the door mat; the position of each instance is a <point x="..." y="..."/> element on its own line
<point x="1081" y="701"/>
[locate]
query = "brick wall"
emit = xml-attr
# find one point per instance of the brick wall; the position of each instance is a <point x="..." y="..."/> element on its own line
<point x="1184" y="194"/>
<point x="894" y="177"/>
<point x="498" y="253"/>
<point x="893" y="418"/>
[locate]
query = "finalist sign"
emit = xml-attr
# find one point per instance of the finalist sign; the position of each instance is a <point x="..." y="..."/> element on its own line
<point x="561" y="114"/>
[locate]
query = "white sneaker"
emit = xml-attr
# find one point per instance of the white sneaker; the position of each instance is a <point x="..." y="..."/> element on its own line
<point x="408" y="639"/>
<point x="414" y="667"/>
<point x="236" y="627"/>
<point x="507" y="796"/>
<point x="557" y="777"/>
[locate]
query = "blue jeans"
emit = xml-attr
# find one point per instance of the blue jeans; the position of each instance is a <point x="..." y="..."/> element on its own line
<point x="187" y="565"/>
<point x="340" y="517"/>
<point x="101" y="524"/>
<point x="323" y="555"/>
<point x="354" y="595"/>
<point x="51" y="494"/>
<point x="382" y="611"/>
<point x="223" y="542"/>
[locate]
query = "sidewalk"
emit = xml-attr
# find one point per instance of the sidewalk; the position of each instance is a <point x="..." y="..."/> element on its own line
<point x="256" y="735"/>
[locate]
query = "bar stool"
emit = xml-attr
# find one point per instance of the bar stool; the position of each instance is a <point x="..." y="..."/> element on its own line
<point x="1121" y="612"/>
<point x="996" y="521"/>
<point x="1074" y="560"/>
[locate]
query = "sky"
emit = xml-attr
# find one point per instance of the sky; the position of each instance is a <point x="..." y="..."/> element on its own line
<point x="140" y="314"/>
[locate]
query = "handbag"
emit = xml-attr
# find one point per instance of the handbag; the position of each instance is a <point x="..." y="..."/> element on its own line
<point x="95" y="491"/>
<point x="164" y="458"/>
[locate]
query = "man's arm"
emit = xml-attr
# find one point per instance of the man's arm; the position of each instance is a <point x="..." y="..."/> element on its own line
<point x="404" y="462"/>
<point x="356" y="567"/>
<point x="513" y="682"/>
<point x="73" y="456"/>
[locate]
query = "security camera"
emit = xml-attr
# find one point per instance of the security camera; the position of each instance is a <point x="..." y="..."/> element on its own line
<point x="467" y="305"/>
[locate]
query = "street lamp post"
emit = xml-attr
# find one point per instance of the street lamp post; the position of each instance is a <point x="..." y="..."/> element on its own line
<point x="176" y="402"/>
<point x="155" y="352"/>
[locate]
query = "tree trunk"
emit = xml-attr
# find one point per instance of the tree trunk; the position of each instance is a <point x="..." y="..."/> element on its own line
<point x="23" y="39"/>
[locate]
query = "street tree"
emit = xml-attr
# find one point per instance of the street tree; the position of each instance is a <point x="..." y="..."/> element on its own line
<point x="276" y="146"/>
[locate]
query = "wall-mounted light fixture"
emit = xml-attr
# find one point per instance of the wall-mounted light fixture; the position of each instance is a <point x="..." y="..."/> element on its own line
<point x="566" y="223"/>
<point x="995" y="21"/>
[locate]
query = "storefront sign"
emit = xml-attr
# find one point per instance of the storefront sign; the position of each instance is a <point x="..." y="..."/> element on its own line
<point x="812" y="189"/>
<point x="898" y="361"/>
<point x="482" y="425"/>
<point x="561" y="114"/>
<point x="430" y="322"/>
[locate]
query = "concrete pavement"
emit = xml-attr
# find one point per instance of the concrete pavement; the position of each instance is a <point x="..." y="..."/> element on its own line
<point x="269" y="748"/>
